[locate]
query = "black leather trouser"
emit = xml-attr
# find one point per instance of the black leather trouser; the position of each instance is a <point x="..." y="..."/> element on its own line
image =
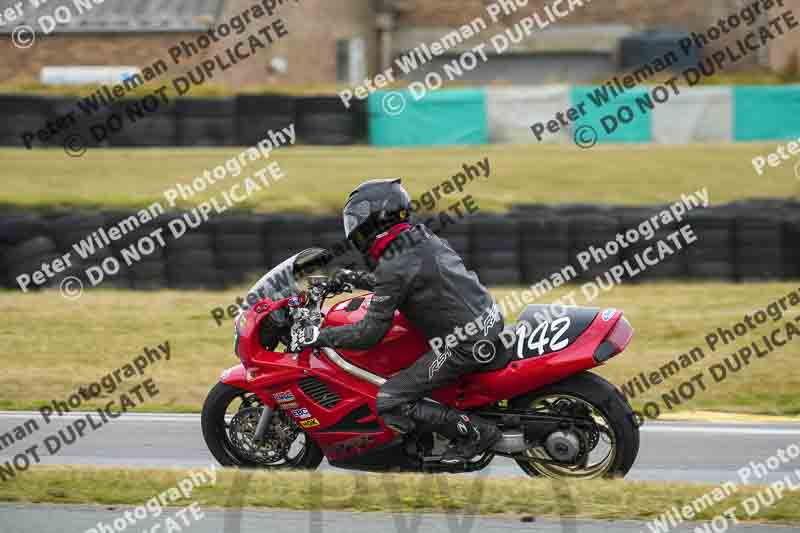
<point x="401" y="400"/>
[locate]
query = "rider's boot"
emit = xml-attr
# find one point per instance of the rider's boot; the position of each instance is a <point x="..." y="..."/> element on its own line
<point x="470" y="435"/>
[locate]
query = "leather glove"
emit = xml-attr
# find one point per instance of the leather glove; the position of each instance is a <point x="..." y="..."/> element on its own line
<point x="349" y="279"/>
<point x="310" y="335"/>
<point x="305" y="337"/>
<point x="343" y="279"/>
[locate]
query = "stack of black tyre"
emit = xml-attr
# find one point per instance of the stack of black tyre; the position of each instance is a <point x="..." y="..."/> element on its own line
<point x="205" y="121"/>
<point x="146" y="126"/>
<point x="92" y="129"/>
<point x="712" y="256"/>
<point x="765" y="240"/>
<point x="258" y="114"/>
<point x="739" y="242"/>
<point x="238" y="245"/>
<point x="24" y="246"/>
<point x="453" y="230"/>
<point x="672" y="266"/>
<point x="241" y="120"/>
<point x="543" y="244"/>
<point x="759" y="248"/>
<point x="494" y="252"/>
<point x="791" y="238"/>
<point x="142" y="249"/>
<point x="20" y="114"/>
<point x="324" y="120"/>
<point x="78" y="230"/>
<point x="286" y="234"/>
<point x="588" y="234"/>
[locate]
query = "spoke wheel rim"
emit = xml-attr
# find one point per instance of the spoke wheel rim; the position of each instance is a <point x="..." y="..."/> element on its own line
<point x="592" y="468"/>
<point x="247" y="400"/>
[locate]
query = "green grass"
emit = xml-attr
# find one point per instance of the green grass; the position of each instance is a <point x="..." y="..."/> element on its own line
<point x="52" y="345"/>
<point x="207" y="90"/>
<point x="318" y="179"/>
<point x="388" y="493"/>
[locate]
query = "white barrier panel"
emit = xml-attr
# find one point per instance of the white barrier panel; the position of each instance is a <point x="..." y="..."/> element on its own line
<point x="85" y="75"/>
<point x="513" y="110"/>
<point x="698" y="114"/>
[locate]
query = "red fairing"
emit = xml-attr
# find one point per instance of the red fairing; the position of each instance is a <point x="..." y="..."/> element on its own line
<point x="234" y="375"/>
<point x="525" y="375"/>
<point x="349" y="425"/>
<point x="401" y="346"/>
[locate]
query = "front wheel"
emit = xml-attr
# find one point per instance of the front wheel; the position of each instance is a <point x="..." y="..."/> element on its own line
<point x="610" y="450"/>
<point x="229" y="420"/>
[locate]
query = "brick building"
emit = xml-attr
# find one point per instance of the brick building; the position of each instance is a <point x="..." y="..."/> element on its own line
<point x="344" y="41"/>
<point x="324" y="42"/>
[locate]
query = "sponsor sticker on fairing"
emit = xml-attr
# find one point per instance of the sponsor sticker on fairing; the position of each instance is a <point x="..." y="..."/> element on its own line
<point x="607" y="314"/>
<point x="311" y="423"/>
<point x="301" y="413"/>
<point x="285" y="396"/>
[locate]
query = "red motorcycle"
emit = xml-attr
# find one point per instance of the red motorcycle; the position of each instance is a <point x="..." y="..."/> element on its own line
<point x="290" y="407"/>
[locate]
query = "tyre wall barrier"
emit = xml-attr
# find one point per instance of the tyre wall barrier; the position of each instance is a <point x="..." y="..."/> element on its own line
<point x="325" y="121"/>
<point x="256" y="115"/>
<point x="205" y="121"/>
<point x="226" y="251"/>
<point x="744" y="241"/>
<point x="404" y="118"/>
<point x="241" y="120"/>
<point x="20" y="114"/>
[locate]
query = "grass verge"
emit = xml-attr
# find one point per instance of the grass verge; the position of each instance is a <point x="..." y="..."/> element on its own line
<point x="52" y="345"/>
<point x="615" y="499"/>
<point x="318" y="179"/>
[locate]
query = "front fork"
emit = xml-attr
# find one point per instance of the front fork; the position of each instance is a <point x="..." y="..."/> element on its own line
<point x="263" y="424"/>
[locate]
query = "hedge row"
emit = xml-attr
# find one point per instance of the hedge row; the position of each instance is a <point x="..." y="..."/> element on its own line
<point x="241" y="120"/>
<point x="739" y="242"/>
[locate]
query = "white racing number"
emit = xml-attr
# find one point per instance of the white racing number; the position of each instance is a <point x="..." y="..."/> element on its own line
<point x="540" y="339"/>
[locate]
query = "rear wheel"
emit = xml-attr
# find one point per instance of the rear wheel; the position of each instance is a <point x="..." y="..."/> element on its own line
<point x="610" y="451"/>
<point x="229" y="419"/>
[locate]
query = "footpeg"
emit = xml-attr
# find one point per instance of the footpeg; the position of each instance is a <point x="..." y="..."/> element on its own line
<point x="434" y="463"/>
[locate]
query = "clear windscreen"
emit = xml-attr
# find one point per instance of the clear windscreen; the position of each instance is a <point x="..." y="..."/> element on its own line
<point x="291" y="277"/>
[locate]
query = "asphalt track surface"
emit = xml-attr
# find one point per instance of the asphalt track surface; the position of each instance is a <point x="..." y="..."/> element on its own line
<point x="687" y="451"/>
<point x="81" y="519"/>
<point x="692" y="452"/>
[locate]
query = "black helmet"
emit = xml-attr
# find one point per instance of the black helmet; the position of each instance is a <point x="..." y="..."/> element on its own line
<point x="373" y="208"/>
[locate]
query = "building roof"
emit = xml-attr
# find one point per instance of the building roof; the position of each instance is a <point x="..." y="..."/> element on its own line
<point x="120" y="15"/>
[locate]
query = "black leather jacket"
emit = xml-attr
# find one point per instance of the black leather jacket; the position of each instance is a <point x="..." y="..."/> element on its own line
<point x="423" y="277"/>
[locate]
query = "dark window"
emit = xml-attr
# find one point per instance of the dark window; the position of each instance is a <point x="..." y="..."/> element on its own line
<point x="343" y="61"/>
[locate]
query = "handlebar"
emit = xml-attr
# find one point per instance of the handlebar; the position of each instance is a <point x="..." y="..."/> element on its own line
<point x="307" y="317"/>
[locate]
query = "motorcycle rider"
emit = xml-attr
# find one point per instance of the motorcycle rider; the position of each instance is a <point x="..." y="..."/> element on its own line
<point x="420" y="274"/>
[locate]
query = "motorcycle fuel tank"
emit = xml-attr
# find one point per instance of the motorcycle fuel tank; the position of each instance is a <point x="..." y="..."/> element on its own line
<point x="401" y="346"/>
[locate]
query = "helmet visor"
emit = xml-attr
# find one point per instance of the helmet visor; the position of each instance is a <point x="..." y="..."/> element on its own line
<point x="355" y="214"/>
